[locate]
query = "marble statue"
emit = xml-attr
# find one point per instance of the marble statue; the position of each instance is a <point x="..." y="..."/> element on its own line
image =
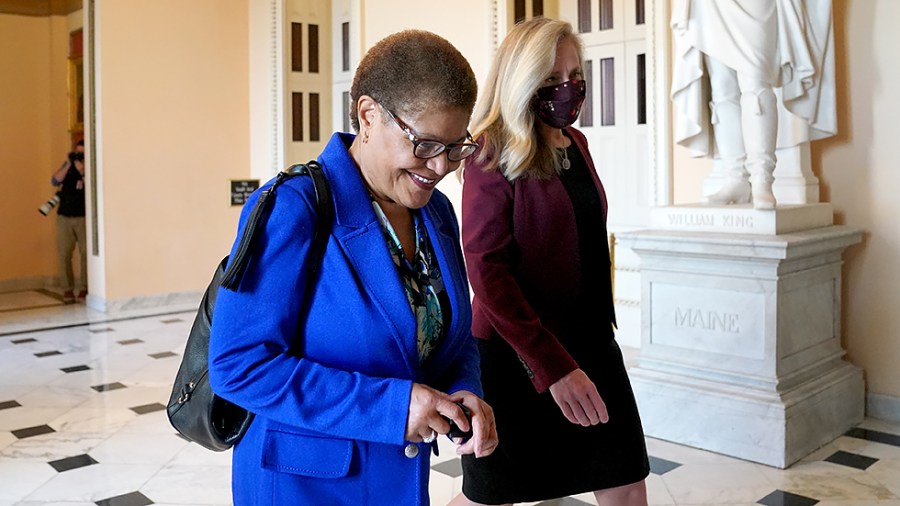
<point x="735" y="60"/>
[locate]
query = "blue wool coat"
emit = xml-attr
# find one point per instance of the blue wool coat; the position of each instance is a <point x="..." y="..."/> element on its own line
<point x="331" y="416"/>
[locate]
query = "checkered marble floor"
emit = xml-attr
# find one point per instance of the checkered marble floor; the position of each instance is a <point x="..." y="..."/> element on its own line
<point x="82" y="421"/>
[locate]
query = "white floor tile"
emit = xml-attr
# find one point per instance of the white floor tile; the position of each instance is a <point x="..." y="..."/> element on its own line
<point x="190" y="485"/>
<point x="94" y="483"/>
<point x="20" y="478"/>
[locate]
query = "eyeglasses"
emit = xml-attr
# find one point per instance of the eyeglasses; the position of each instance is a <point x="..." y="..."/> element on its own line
<point x="430" y="149"/>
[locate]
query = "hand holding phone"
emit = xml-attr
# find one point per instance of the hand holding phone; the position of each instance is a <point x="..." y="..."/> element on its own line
<point x="455" y="431"/>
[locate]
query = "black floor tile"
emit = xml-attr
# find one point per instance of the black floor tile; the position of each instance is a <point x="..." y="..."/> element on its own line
<point x="23" y="341"/>
<point x="565" y="501"/>
<point x="101" y="330"/>
<point x="9" y="404"/>
<point x="67" y="464"/>
<point x="132" y="499"/>
<point x="660" y="466"/>
<point x="107" y="387"/>
<point x="75" y="368"/>
<point x="130" y="341"/>
<point x="165" y="354"/>
<point x="47" y="353"/>
<point x="32" y="431"/>
<point x="148" y="408"/>
<point x="853" y="460"/>
<point x="782" y="498"/>
<point x="875" y="436"/>
<point x="172" y="320"/>
<point x="452" y="468"/>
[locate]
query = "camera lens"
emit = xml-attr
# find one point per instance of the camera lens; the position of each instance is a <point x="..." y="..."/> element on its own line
<point x="49" y="205"/>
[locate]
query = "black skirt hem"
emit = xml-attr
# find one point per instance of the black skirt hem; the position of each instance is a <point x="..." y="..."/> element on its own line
<point x="546" y="494"/>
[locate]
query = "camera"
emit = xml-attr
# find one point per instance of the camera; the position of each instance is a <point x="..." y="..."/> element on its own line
<point x="75" y="156"/>
<point x="49" y="205"/>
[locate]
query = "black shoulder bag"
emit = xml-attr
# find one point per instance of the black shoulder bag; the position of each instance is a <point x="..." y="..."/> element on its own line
<point x="194" y="410"/>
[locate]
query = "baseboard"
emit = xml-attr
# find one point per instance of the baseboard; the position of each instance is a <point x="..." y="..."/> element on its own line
<point x="24" y="284"/>
<point x="883" y="407"/>
<point x="166" y="302"/>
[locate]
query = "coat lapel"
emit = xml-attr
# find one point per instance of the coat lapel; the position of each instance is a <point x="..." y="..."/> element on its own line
<point x="373" y="264"/>
<point x="359" y="233"/>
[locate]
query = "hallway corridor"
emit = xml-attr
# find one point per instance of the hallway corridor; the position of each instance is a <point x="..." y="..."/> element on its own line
<point x="82" y="421"/>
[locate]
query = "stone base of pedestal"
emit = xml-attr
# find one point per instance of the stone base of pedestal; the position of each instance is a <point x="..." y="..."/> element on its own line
<point x="769" y="428"/>
<point x="740" y="338"/>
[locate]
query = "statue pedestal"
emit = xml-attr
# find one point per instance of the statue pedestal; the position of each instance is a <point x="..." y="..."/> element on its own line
<point x="741" y="350"/>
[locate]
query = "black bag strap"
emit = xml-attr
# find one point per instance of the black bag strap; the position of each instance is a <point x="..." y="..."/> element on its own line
<point x="237" y="265"/>
<point x="324" y="219"/>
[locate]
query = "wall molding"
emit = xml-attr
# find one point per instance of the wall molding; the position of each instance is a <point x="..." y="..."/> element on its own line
<point x="276" y="87"/>
<point x="26" y="284"/>
<point x="620" y="302"/>
<point x="495" y="27"/>
<point x="165" y="302"/>
<point x="659" y="112"/>
<point x="90" y="75"/>
<point x="883" y="407"/>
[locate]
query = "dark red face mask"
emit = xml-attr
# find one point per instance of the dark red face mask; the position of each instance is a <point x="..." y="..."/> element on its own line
<point x="558" y="105"/>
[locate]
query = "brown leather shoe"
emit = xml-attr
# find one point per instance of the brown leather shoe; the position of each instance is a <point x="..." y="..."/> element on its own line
<point x="69" y="296"/>
<point x="82" y="294"/>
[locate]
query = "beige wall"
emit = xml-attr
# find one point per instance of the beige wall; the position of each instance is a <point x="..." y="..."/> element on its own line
<point x="465" y="23"/>
<point x="859" y="173"/>
<point x="173" y="128"/>
<point x="33" y="141"/>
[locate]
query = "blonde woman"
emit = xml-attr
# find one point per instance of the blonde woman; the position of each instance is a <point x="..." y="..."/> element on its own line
<point x="534" y="237"/>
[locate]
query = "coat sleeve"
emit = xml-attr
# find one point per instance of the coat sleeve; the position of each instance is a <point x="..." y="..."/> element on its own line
<point x="490" y="250"/>
<point x="464" y="370"/>
<point x="253" y="328"/>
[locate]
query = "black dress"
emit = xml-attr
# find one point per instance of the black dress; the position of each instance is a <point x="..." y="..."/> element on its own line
<point x="541" y="455"/>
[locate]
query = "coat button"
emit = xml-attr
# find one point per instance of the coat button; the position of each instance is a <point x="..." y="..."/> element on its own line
<point x="411" y="451"/>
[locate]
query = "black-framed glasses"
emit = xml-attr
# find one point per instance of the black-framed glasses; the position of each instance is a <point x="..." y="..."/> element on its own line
<point x="429" y="149"/>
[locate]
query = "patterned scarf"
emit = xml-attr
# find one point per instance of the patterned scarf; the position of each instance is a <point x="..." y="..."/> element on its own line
<point x="421" y="281"/>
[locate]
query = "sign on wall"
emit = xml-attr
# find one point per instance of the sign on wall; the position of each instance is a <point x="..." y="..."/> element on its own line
<point x="241" y="189"/>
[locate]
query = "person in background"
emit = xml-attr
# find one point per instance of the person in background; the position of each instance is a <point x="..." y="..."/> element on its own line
<point x="535" y="241"/>
<point x="349" y="400"/>
<point x="70" y="226"/>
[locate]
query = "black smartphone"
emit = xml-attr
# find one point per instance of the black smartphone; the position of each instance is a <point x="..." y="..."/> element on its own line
<point x="455" y="431"/>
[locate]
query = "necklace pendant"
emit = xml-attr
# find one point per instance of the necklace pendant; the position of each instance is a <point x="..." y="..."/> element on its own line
<point x="564" y="164"/>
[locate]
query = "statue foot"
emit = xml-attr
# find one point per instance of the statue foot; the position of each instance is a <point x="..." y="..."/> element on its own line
<point x="736" y="191"/>
<point x="763" y="198"/>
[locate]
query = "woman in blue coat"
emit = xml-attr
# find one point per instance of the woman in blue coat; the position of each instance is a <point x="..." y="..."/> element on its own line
<point x="349" y="400"/>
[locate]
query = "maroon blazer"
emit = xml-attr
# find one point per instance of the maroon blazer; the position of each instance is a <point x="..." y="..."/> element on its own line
<point x="521" y="247"/>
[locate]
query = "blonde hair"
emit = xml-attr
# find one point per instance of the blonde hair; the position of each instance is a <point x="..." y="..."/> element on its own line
<point x="504" y="119"/>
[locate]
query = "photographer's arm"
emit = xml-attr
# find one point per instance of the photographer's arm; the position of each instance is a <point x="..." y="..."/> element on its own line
<point x="60" y="173"/>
